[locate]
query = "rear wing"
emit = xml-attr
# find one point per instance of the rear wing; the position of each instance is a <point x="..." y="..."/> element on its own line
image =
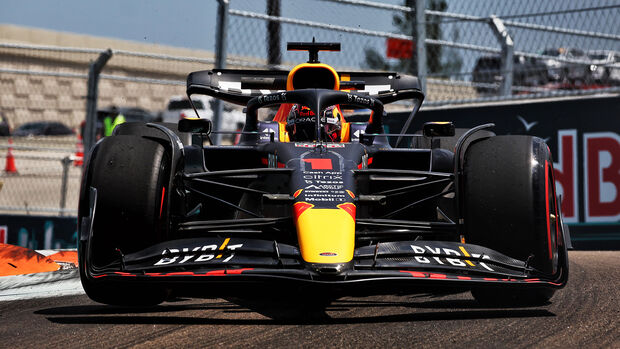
<point x="239" y="86"/>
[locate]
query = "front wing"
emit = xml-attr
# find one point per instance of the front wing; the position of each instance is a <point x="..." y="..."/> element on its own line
<point x="401" y="267"/>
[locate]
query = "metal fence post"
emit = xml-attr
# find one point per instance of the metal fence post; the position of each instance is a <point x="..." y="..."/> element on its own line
<point x="273" y="34"/>
<point x="66" y="162"/>
<point x="90" y="129"/>
<point x="220" y="60"/>
<point x="501" y="33"/>
<point x="420" y="24"/>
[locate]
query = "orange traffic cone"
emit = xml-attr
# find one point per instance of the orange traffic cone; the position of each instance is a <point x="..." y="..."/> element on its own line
<point x="78" y="159"/>
<point x="10" y="167"/>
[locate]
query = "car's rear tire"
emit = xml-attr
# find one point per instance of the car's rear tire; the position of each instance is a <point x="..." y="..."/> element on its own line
<point x="510" y="207"/>
<point x="131" y="175"/>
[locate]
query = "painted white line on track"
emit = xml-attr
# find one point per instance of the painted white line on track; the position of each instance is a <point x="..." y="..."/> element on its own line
<point x="41" y="285"/>
<point x="51" y="252"/>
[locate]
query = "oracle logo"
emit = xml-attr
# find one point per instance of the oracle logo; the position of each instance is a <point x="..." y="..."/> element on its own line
<point x="601" y="176"/>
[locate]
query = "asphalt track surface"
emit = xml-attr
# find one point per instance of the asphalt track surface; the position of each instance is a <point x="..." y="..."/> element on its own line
<point x="585" y="314"/>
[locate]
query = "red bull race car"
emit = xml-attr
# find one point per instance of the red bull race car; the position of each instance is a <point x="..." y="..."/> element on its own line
<point x="313" y="204"/>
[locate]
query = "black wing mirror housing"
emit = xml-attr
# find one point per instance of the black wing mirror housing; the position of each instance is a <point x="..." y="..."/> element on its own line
<point x="439" y="129"/>
<point x="195" y="125"/>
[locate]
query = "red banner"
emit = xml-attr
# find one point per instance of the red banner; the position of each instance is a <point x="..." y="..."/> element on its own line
<point x="399" y="48"/>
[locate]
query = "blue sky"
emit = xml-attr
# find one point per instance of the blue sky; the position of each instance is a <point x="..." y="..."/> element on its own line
<point x="187" y="23"/>
<point x="182" y="23"/>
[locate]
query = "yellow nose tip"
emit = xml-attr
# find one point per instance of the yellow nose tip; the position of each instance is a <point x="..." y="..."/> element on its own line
<point x="326" y="235"/>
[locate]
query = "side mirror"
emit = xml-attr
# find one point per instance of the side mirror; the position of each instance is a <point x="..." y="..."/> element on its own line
<point x="438" y="129"/>
<point x="195" y="125"/>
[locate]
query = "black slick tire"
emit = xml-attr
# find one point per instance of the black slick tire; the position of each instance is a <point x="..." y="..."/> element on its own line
<point x="131" y="175"/>
<point x="510" y="206"/>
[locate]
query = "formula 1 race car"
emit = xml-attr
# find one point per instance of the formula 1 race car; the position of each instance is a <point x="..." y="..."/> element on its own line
<point x="312" y="204"/>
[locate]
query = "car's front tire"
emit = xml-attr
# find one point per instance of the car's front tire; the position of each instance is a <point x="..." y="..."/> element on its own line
<point x="131" y="175"/>
<point x="510" y="207"/>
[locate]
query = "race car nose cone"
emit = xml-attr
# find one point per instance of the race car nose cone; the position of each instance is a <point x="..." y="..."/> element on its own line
<point x="326" y="236"/>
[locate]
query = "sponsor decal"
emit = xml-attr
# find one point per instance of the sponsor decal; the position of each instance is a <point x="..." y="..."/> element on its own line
<point x="265" y="134"/>
<point x="199" y="254"/>
<point x="566" y="174"/>
<point x="320" y="164"/>
<point x="321" y="193"/>
<point x="296" y="194"/>
<point x="306" y="112"/>
<point x="601" y="176"/>
<point x="331" y="120"/>
<point x="314" y="145"/>
<point x="440" y="258"/>
<point x="272" y="98"/>
<point x="360" y="100"/>
<point x="305" y="120"/>
<point x="324" y="186"/>
<point x="328" y="254"/>
<point x="323" y="177"/>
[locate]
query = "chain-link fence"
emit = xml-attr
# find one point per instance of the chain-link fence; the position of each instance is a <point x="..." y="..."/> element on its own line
<point x="474" y="50"/>
<point x="43" y="92"/>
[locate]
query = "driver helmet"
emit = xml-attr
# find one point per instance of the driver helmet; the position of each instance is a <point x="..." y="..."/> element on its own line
<point x="300" y="124"/>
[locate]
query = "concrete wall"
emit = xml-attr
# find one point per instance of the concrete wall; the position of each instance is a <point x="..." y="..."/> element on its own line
<point x="39" y="96"/>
